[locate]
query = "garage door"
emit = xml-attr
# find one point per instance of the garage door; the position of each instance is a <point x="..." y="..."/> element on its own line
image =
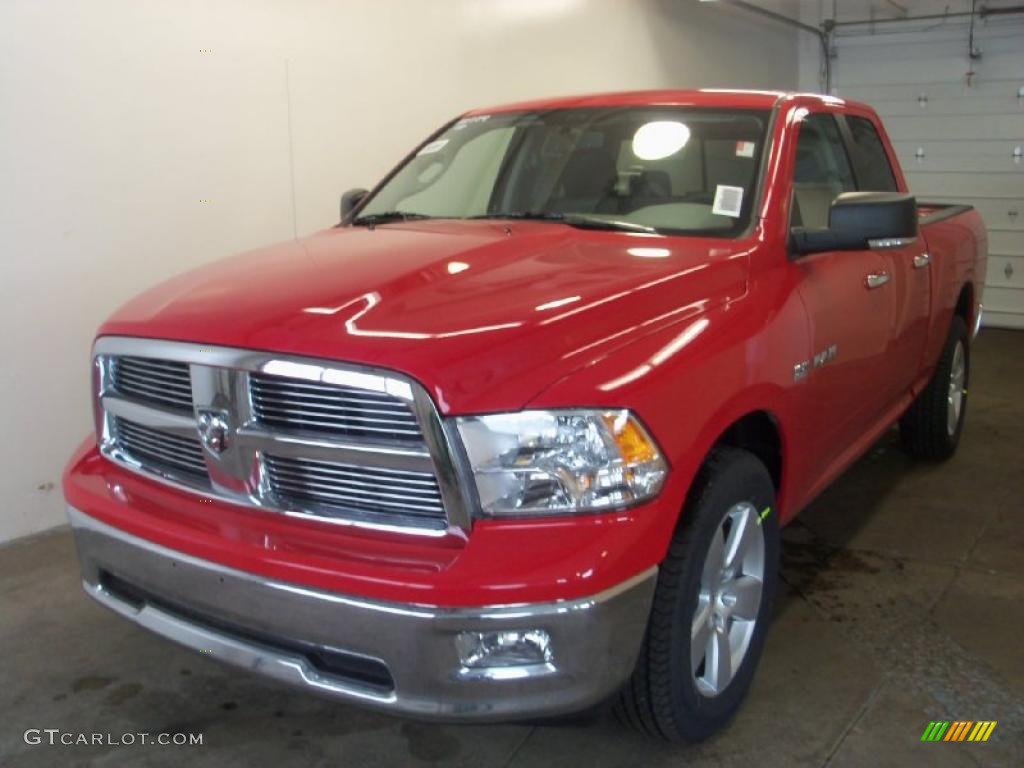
<point x="959" y="136"/>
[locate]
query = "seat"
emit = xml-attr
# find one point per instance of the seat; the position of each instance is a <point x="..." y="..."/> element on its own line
<point x="813" y="188"/>
<point x="652" y="187"/>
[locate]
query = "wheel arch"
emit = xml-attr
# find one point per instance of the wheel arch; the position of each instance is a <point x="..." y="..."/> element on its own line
<point x="758" y="432"/>
<point x="965" y="304"/>
<point x="754" y="428"/>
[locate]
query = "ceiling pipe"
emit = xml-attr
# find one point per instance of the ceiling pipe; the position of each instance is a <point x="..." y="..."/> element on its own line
<point x="982" y="13"/>
<point x="821" y="34"/>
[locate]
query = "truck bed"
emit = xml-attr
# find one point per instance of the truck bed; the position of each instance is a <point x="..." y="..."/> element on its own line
<point x="929" y="213"/>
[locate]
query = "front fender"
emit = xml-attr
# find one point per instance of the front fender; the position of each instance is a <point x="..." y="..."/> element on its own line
<point x="691" y="381"/>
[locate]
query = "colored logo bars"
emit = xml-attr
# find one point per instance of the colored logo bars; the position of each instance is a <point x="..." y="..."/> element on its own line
<point x="959" y="730"/>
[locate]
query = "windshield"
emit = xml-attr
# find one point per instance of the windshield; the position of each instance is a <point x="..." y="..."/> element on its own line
<point x="664" y="169"/>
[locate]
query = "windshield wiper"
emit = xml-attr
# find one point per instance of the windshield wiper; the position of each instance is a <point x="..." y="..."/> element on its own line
<point x="581" y="220"/>
<point x="373" y="219"/>
<point x="596" y="222"/>
<point x="518" y="215"/>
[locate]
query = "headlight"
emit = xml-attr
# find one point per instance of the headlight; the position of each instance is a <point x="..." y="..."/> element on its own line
<point x="559" y="462"/>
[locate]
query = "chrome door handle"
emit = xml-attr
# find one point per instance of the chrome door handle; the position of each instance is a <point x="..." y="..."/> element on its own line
<point x="876" y="280"/>
<point x="922" y="260"/>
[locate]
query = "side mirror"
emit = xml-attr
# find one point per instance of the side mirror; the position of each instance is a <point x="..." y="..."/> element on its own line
<point x="350" y="200"/>
<point x="861" y="220"/>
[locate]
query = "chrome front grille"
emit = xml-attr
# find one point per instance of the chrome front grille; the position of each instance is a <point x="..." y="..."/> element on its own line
<point x="289" y="403"/>
<point x="330" y="441"/>
<point x="155" y="447"/>
<point x="338" y="488"/>
<point x="159" y="382"/>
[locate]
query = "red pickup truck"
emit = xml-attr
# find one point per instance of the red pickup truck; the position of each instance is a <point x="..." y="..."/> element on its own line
<point x="517" y="437"/>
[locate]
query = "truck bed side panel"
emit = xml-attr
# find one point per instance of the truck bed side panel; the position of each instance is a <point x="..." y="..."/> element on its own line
<point x="958" y="246"/>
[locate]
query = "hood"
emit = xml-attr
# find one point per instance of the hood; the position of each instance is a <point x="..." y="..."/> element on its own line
<point x="484" y="315"/>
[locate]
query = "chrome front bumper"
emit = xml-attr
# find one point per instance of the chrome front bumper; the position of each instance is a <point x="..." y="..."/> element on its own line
<point x="390" y="656"/>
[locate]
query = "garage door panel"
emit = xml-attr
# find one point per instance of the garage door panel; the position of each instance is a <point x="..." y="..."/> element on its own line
<point x="947" y="71"/>
<point x="924" y="127"/>
<point x="882" y="94"/>
<point x="938" y="159"/>
<point x="924" y="57"/>
<point x="1004" y="319"/>
<point x="966" y="185"/>
<point x="1009" y="242"/>
<point x="936" y="56"/>
<point x="965" y="132"/>
<point x="999" y="299"/>
<point x="1005" y="272"/>
<point x="998" y="33"/>
<point x="945" y="66"/>
<point x="961" y="104"/>
<point x="937" y="149"/>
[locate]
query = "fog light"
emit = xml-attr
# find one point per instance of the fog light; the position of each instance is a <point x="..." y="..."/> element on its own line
<point x="513" y="648"/>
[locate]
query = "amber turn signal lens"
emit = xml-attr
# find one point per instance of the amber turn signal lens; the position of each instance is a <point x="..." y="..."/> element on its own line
<point x="634" y="444"/>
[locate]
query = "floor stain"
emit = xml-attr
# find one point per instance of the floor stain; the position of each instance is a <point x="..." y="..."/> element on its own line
<point x="430" y="743"/>
<point x="91" y="683"/>
<point x="122" y="693"/>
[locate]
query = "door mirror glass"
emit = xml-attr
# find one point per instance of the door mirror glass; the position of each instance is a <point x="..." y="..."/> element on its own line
<point x="861" y="220"/>
<point x="350" y="200"/>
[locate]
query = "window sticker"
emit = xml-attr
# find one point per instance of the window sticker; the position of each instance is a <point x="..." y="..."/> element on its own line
<point x="469" y="121"/>
<point x="432" y="147"/>
<point x="728" y="201"/>
<point x="745" y="149"/>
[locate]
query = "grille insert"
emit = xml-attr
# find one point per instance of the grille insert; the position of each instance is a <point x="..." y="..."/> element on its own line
<point x="161" y="382"/>
<point x="315" y="407"/>
<point x="346" y="487"/>
<point x="154" y="447"/>
<point x="337" y="441"/>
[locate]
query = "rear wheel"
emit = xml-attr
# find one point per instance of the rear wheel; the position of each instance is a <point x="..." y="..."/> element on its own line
<point x="711" y="607"/>
<point x="931" y="428"/>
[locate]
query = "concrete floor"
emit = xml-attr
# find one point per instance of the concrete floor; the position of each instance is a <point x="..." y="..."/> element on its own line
<point x="902" y="602"/>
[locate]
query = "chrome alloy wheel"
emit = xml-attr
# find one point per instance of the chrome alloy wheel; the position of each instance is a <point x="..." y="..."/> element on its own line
<point x="957" y="374"/>
<point x="729" y="600"/>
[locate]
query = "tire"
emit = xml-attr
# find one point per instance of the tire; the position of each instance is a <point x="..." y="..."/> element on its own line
<point x="667" y="696"/>
<point x="931" y="428"/>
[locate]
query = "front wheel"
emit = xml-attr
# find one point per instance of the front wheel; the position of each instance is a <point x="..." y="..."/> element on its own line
<point x="931" y="428"/>
<point x="711" y="607"/>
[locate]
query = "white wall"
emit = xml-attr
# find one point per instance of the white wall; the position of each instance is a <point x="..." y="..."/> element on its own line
<point x="128" y="153"/>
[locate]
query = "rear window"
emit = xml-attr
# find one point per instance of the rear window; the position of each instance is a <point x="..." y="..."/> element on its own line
<point x="874" y="172"/>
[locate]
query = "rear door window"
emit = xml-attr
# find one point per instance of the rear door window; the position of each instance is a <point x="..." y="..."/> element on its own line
<point x="874" y="171"/>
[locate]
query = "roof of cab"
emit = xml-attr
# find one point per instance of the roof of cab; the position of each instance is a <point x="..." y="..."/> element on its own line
<point x="701" y="97"/>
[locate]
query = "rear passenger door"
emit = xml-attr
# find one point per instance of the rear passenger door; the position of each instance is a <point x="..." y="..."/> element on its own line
<point x="909" y="263"/>
<point x="845" y="378"/>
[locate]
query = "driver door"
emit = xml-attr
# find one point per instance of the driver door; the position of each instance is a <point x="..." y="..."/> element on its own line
<point x="848" y="300"/>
